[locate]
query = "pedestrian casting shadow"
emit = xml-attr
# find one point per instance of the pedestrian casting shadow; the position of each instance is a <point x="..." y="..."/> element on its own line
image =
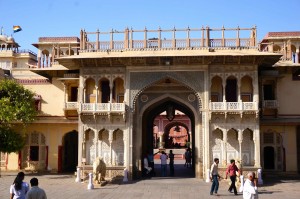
<point x="273" y="180"/>
<point x="267" y="192"/>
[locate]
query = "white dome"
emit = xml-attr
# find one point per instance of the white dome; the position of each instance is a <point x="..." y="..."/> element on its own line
<point x="10" y="39"/>
<point x="3" y="38"/>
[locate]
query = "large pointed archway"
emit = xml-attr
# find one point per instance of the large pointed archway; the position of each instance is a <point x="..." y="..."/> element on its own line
<point x="147" y="128"/>
<point x="154" y="99"/>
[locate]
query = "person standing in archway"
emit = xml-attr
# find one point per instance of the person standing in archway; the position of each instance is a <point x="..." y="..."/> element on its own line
<point x="171" y="163"/>
<point x="163" y="159"/>
<point x="188" y="158"/>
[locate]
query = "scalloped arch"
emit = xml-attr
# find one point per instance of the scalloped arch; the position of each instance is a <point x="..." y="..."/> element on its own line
<point x="142" y="81"/>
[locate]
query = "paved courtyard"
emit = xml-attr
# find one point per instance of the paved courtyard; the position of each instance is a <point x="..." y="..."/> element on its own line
<point x="63" y="186"/>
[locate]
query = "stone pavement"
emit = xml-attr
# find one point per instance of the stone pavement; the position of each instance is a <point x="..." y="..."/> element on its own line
<point x="63" y="186"/>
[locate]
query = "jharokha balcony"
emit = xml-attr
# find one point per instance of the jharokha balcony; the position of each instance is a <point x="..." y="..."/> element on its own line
<point x="102" y="108"/>
<point x="96" y="107"/>
<point x="233" y="106"/>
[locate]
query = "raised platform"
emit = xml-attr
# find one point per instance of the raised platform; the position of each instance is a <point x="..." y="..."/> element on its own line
<point x="112" y="172"/>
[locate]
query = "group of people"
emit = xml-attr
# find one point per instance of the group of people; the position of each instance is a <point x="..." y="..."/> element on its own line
<point x="250" y="185"/>
<point x="149" y="163"/>
<point x="20" y="189"/>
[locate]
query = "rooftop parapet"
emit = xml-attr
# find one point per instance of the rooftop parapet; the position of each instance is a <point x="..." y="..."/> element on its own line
<point x="168" y="39"/>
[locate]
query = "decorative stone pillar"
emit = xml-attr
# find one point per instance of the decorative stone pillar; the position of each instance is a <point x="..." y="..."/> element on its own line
<point x="39" y="58"/>
<point x="224" y="161"/>
<point x="297" y="56"/>
<point x="256" y="140"/>
<point x="145" y="38"/>
<point x="125" y="149"/>
<point x="84" y="95"/>
<point x="240" y="139"/>
<point x="47" y="61"/>
<point x="43" y="61"/>
<point x="80" y="140"/>
<point x="224" y="89"/>
<point x="126" y="38"/>
<point x="255" y="84"/>
<point x="111" y="87"/>
<point x="95" y="142"/>
<point x="97" y="92"/>
<point x="239" y="99"/>
<point x="84" y="145"/>
<point x="110" y="139"/>
<point x="97" y="39"/>
<point x="65" y="93"/>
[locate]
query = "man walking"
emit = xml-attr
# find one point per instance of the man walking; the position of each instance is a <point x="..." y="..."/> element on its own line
<point x="214" y="176"/>
<point x="250" y="187"/>
<point x="232" y="170"/>
<point x="35" y="192"/>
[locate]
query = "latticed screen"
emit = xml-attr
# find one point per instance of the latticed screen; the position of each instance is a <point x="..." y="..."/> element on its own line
<point x="268" y="138"/>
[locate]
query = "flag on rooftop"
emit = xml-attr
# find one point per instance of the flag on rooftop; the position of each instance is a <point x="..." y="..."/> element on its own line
<point x="17" y="28"/>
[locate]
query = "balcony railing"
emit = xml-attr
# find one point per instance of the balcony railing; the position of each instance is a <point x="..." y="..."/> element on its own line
<point x="233" y="106"/>
<point x="166" y="39"/>
<point x="102" y="107"/>
<point x="272" y="104"/>
<point x="71" y="105"/>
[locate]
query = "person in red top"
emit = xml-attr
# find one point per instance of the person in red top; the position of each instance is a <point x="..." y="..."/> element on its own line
<point x="232" y="169"/>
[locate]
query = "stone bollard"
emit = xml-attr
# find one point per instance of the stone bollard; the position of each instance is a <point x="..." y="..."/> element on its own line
<point x="90" y="185"/>
<point x="259" y="176"/>
<point x="125" y="179"/>
<point x="207" y="175"/>
<point x="78" y="179"/>
<point x="242" y="183"/>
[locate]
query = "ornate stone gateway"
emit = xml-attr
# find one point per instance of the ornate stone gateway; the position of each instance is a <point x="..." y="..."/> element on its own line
<point x="125" y="84"/>
<point x="159" y="92"/>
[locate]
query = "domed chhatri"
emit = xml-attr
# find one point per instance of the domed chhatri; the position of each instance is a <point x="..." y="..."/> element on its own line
<point x="3" y="38"/>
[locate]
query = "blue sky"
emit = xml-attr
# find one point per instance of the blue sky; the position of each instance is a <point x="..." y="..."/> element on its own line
<point x="68" y="17"/>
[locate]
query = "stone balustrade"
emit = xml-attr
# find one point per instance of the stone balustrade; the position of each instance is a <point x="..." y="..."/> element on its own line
<point x="272" y="104"/>
<point x="102" y="107"/>
<point x="233" y="106"/>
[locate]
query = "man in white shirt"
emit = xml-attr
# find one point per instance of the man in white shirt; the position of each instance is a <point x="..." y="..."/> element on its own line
<point x="146" y="165"/>
<point x="214" y="175"/>
<point x="250" y="188"/>
<point x="35" y="192"/>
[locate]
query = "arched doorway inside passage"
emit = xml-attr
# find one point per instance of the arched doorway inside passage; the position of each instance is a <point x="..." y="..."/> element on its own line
<point x="70" y="151"/>
<point x="150" y="115"/>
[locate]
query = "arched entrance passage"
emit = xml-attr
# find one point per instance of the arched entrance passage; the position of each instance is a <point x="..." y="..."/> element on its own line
<point x="269" y="156"/>
<point x="70" y="151"/>
<point x="176" y="135"/>
<point x="148" y="122"/>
